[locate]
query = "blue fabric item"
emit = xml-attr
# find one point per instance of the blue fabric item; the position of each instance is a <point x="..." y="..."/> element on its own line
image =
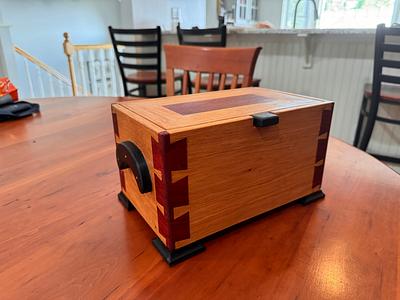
<point x="10" y="110"/>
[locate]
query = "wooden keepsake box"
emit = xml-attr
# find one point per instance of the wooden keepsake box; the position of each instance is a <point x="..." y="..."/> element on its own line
<point x="194" y="165"/>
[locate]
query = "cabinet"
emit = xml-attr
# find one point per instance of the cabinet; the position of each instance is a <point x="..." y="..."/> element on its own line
<point x="246" y="12"/>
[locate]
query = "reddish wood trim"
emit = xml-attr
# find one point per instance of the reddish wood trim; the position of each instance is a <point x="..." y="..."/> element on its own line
<point x="189" y="108"/>
<point x="177" y="230"/>
<point x="179" y="193"/>
<point x="161" y="191"/>
<point x="169" y="157"/>
<point x="321" y="149"/>
<point x="158" y="162"/>
<point x="163" y="226"/>
<point x="325" y="121"/>
<point x="177" y="155"/>
<point x="181" y="227"/>
<point x="322" y="146"/>
<point x="318" y="172"/>
<point x="115" y="123"/>
<point x="122" y="179"/>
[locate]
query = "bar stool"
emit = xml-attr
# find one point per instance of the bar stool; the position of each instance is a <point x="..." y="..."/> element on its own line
<point x="385" y="89"/>
<point x="133" y="57"/>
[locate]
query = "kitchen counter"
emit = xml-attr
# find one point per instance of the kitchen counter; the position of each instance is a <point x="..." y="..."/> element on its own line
<point x="291" y="31"/>
<point x="251" y="30"/>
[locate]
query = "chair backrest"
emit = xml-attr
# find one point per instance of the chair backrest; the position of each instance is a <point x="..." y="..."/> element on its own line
<point x="134" y="57"/>
<point x="383" y="63"/>
<point x="220" y="61"/>
<point x="209" y="37"/>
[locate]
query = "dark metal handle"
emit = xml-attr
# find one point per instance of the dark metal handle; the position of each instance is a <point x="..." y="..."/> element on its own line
<point x="130" y="156"/>
<point x="265" y="119"/>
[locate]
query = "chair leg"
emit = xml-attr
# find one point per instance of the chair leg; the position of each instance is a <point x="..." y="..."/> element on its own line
<point x="360" y="122"/>
<point x="141" y="90"/>
<point x="159" y="90"/>
<point x="369" y="127"/>
<point x="181" y="92"/>
<point x="189" y="84"/>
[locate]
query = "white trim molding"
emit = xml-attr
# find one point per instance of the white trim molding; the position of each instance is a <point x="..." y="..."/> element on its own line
<point x="396" y="12"/>
<point x="8" y="66"/>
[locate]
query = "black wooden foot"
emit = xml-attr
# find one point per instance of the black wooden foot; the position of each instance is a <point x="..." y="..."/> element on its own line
<point x="125" y="201"/>
<point x="311" y="198"/>
<point x="178" y="255"/>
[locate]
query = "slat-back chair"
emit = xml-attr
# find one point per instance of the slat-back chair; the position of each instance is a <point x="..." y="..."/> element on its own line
<point x="208" y="37"/>
<point x="385" y="88"/>
<point x="201" y="60"/>
<point x="145" y="73"/>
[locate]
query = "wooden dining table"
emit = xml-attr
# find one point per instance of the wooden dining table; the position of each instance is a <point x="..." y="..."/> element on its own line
<point x="64" y="235"/>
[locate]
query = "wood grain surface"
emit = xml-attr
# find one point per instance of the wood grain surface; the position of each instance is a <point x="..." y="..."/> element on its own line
<point x="132" y="127"/>
<point x="163" y="111"/>
<point x="237" y="171"/>
<point x="63" y="233"/>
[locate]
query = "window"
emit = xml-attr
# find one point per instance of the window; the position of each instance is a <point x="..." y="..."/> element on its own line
<point x="341" y="13"/>
<point x="246" y="11"/>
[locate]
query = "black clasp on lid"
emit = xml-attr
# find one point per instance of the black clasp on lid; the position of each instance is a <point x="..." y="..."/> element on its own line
<point x="265" y="119"/>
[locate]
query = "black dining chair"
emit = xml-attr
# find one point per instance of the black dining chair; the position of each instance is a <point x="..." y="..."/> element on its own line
<point x="208" y="37"/>
<point x="139" y="50"/>
<point x="385" y="89"/>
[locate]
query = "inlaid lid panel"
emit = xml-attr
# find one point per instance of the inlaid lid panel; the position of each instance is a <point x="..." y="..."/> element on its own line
<point x="197" y="109"/>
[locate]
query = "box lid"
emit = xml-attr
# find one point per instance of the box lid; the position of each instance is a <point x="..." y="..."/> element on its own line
<point x="199" y="109"/>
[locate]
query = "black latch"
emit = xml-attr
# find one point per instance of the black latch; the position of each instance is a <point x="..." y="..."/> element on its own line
<point x="265" y="119"/>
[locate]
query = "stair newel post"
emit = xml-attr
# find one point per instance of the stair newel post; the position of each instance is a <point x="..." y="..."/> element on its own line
<point x="69" y="51"/>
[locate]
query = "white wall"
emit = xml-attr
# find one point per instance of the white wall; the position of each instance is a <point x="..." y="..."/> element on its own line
<point x="126" y="13"/>
<point x="37" y="26"/>
<point x="7" y="59"/>
<point x="271" y="11"/>
<point x="211" y="14"/>
<point x="150" y="13"/>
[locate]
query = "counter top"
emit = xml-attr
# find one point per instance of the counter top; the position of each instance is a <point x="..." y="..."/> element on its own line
<point x="334" y="31"/>
<point x="250" y="30"/>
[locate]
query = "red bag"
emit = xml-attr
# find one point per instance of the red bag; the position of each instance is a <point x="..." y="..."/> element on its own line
<point x="6" y="87"/>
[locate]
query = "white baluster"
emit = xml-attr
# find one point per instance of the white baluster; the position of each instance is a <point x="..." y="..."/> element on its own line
<point x="51" y="84"/>
<point x="102" y="58"/>
<point x="92" y="73"/>
<point x="69" y="91"/>
<point x="40" y="79"/>
<point x="28" y="77"/>
<point x="61" y="87"/>
<point x="81" y="66"/>
<point x="111" y="68"/>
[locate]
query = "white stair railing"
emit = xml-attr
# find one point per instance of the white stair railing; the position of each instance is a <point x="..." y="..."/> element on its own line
<point x="92" y="68"/>
<point x="42" y="80"/>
